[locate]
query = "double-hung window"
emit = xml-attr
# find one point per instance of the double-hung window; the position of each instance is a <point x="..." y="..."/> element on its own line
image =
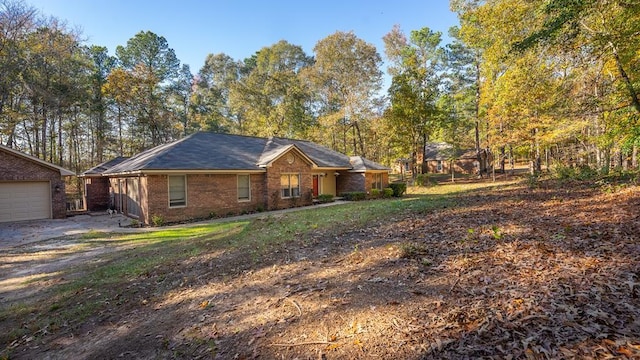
<point x="177" y="190"/>
<point x="290" y="185"/>
<point x="244" y="187"/>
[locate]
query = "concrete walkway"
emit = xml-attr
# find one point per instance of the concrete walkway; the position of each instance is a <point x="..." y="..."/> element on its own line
<point x="13" y="234"/>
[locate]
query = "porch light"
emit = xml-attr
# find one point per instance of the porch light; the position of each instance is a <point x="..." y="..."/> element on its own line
<point x="336" y="173"/>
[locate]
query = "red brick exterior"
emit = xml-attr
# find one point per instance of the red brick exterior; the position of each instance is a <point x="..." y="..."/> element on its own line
<point x="96" y="193"/>
<point x="350" y="182"/>
<point x="273" y="189"/>
<point x="370" y="178"/>
<point x="358" y="182"/>
<point x="460" y="166"/>
<point x="207" y="195"/>
<point x="16" y="168"/>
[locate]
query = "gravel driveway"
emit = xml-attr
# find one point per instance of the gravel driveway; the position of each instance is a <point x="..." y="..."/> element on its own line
<point x="19" y="233"/>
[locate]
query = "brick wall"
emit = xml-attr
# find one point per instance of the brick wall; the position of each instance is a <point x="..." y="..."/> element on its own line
<point x="465" y="166"/>
<point x="363" y="182"/>
<point x="461" y="166"/>
<point x="15" y="168"/>
<point x="273" y="189"/>
<point x="371" y="177"/>
<point x="349" y="182"/>
<point x="96" y="193"/>
<point x="207" y="194"/>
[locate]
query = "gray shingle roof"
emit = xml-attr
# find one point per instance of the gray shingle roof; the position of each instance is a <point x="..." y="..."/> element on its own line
<point x="101" y="168"/>
<point x="361" y="164"/>
<point x="443" y="151"/>
<point x="216" y="151"/>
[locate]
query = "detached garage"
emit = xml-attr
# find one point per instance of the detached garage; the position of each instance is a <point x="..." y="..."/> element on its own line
<point x="30" y="188"/>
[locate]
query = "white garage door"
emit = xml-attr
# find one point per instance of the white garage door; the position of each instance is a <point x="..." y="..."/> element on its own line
<point x="24" y="201"/>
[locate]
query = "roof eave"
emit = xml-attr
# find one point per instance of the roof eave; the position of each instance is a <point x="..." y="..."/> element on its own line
<point x="186" y="171"/>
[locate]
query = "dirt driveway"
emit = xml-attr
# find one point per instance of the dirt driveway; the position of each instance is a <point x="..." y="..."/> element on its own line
<point x="13" y="234"/>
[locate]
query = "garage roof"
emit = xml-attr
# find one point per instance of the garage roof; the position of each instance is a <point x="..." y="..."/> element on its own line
<point x="63" y="171"/>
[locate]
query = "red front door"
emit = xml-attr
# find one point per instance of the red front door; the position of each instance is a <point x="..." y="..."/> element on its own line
<point x="315" y="186"/>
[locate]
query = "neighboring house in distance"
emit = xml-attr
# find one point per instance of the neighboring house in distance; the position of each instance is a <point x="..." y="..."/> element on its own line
<point x="437" y="159"/>
<point x="95" y="196"/>
<point x="207" y="174"/>
<point x="30" y="188"/>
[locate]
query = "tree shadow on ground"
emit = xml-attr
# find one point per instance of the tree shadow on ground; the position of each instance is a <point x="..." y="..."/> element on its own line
<point x="516" y="272"/>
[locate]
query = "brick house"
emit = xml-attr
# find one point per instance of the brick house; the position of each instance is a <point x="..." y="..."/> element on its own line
<point x="30" y="188"/>
<point x="438" y="159"/>
<point x="212" y="174"/>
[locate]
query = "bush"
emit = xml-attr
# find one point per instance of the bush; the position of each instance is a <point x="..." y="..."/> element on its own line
<point x="325" y="198"/>
<point x="354" y="196"/>
<point x="157" y="220"/>
<point x="398" y="189"/>
<point x="387" y="192"/>
<point x="424" y="180"/>
<point x="375" y="193"/>
<point x="563" y="172"/>
<point x="582" y="172"/>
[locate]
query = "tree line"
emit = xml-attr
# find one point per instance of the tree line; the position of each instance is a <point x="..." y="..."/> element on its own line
<point x="556" y="80"/>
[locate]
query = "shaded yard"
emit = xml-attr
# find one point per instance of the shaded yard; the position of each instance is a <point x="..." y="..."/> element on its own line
<point x="454" y="271"/>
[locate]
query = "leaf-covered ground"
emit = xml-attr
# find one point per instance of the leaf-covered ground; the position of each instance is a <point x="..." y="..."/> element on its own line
<point x="504" y="272"/>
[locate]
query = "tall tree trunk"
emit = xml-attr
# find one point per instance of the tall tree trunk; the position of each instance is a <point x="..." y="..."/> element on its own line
<point x="423" y="165"/>
<point x="360" y="141"/>
<point x="512" y="161"/>
<point x="120" y="141"/>
<point x="42" y="136"/>
<point x="100" y="132"/>
<point x="60" y="145"/>
<point x="625" y="78"/>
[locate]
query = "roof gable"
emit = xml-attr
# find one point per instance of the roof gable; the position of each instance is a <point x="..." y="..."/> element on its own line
<point x="269" y="156"/>
<point x="63" y="171"/>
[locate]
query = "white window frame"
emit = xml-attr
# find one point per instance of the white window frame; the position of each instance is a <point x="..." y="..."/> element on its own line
<point x="289" y="188"/>
<point x="248" y="176"/>
<point x="169" y="191"/>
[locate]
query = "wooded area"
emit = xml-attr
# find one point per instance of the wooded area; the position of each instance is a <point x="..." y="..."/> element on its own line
<point x="555" y="80"/>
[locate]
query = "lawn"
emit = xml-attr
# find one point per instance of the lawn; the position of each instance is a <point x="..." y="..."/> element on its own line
<point x="463" y="270"/>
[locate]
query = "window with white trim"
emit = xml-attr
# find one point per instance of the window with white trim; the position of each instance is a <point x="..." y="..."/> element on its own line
<point x="290" y="185"/>
<point x="244" y="187"/>
<point x="177" y="190"/>
<point x="439" y="166"/>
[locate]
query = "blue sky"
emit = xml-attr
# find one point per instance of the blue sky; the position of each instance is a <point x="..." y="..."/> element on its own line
<point x="240" y="28"/>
